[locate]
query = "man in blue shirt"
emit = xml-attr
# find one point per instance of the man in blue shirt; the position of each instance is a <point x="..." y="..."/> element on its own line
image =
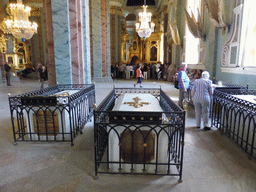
<point x="183" y="83"/>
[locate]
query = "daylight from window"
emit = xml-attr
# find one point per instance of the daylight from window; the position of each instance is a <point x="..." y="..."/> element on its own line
<point x="248" y="35"/>
<point x="192" y="43"/>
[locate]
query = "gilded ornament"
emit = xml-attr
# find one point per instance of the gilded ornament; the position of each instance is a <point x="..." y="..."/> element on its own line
<point x="136" y="103"/>
<point x="252" y="52"/>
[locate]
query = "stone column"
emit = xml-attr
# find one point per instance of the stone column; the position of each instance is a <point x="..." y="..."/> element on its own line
<point x="68" y="45"/>
<point x="115" y="33"/>
<point x="62" y="41"/>
<point x="99" y="40"/>
<point x="47" y="9"/>
<point x="166" y="38"/>
<point x="86" y="41"/>
<point x="76" y="42"/>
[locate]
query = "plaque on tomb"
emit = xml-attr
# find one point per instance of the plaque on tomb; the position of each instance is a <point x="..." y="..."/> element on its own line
<point x="46" y="122"/>
<point x="137" y="145"/>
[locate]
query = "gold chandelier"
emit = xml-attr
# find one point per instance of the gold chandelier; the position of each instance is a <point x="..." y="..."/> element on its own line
<point x="18" y="24"/>
<point x="145" y="27"/>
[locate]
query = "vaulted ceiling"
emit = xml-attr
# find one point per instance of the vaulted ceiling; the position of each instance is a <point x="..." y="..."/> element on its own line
<point x="140" y="2"/>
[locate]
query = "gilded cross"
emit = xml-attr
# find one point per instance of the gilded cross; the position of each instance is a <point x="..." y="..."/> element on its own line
<point x="136" y="102"/>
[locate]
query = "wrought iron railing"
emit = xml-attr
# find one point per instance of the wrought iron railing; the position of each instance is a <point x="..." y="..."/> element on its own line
<point x="139" y="142"/>
<point x="236" y="118"/>
<point x="43" y="115"/>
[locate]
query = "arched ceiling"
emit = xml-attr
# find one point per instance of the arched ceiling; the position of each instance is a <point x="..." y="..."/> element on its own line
<point x="140" y="2"/>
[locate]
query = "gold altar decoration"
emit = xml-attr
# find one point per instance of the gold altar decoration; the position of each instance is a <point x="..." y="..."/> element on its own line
<point x="136" y="103"/>
<point x="45" y="123"/>
<point x="140" y="148"/>
<point x="18" y="23"/>
<point x="20" y="59"/>
<point x="3" y="44"/>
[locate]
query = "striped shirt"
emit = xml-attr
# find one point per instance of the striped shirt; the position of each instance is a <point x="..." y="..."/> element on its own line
<point x="202" y="88"/>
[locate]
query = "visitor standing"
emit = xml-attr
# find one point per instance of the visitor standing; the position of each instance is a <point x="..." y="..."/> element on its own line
<point x="183" y="83"/>
<point x="41" y="71"/>
<point x="153" y="71"/>
<point x="145" y="71"/>
<point x="158" y="71"/>
<point x="127" y="72"/>
<point x="7" y="69"/>
<point x="201" y="95"/>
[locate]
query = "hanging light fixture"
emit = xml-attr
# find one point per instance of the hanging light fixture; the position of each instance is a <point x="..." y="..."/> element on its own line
<point x="18" y="24"/>
<point x="145" y="27"/>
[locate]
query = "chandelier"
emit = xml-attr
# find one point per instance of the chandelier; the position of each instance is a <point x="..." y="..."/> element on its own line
<point x="143" y="29"/>
<point x="18" y="24"/>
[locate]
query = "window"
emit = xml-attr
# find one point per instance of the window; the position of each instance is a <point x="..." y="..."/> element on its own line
<point x="248" y="35"/>
<point x="234" y="41"/>
<point x="239" y="51"/>
<point x="192" y="43"/>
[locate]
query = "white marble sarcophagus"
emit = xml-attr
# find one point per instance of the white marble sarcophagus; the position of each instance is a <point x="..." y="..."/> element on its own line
<point x="55" y="113"/>
<point x="139" y="131"/>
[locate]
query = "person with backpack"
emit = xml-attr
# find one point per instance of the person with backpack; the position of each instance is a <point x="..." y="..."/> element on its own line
<point x="183" y="85"/>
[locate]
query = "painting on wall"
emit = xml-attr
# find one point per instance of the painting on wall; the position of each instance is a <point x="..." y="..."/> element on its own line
<point x="10" y="60"/>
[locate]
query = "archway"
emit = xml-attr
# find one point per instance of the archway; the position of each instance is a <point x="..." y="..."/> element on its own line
<point x="134" y="60"/>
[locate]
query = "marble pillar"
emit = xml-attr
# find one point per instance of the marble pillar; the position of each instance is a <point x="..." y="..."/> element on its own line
<point x="104" y="35"/>
<point x="86" y="41"/>
<point x="75" y="36"/>
<point x="68" y="47"/>
<point x="115" y="14"/>
<point x="62" y="41"/>
<point x="99" y="40"/>
<point x="47" y="10"/>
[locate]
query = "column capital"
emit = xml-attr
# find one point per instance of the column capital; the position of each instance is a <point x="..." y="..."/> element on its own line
<point x="114" y="8"/>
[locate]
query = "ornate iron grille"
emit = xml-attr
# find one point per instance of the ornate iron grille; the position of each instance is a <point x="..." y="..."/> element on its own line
<point x="122" y="145"/>
<point x="236" y="118"/>
<point x="42" y="115"/>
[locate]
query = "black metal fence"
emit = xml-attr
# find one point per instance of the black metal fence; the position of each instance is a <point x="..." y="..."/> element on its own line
<point x="236" y="117"/>
<point x="139" y="142"/>
<point x="55" y="113"/>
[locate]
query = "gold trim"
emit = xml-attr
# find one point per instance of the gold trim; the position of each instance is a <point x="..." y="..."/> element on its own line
<point x="136" y="103"/>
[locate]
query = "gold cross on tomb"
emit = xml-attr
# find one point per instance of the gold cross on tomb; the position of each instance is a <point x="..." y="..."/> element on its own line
<point x="136" y="103"/>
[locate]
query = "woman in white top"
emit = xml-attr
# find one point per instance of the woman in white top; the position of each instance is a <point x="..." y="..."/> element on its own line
<point x="201" y="95"/>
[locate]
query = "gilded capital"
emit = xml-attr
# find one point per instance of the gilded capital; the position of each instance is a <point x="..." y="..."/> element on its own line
<point x="114" y="8"/>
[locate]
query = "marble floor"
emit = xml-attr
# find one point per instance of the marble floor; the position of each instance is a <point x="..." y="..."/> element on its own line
<point x="212" y="162"/>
